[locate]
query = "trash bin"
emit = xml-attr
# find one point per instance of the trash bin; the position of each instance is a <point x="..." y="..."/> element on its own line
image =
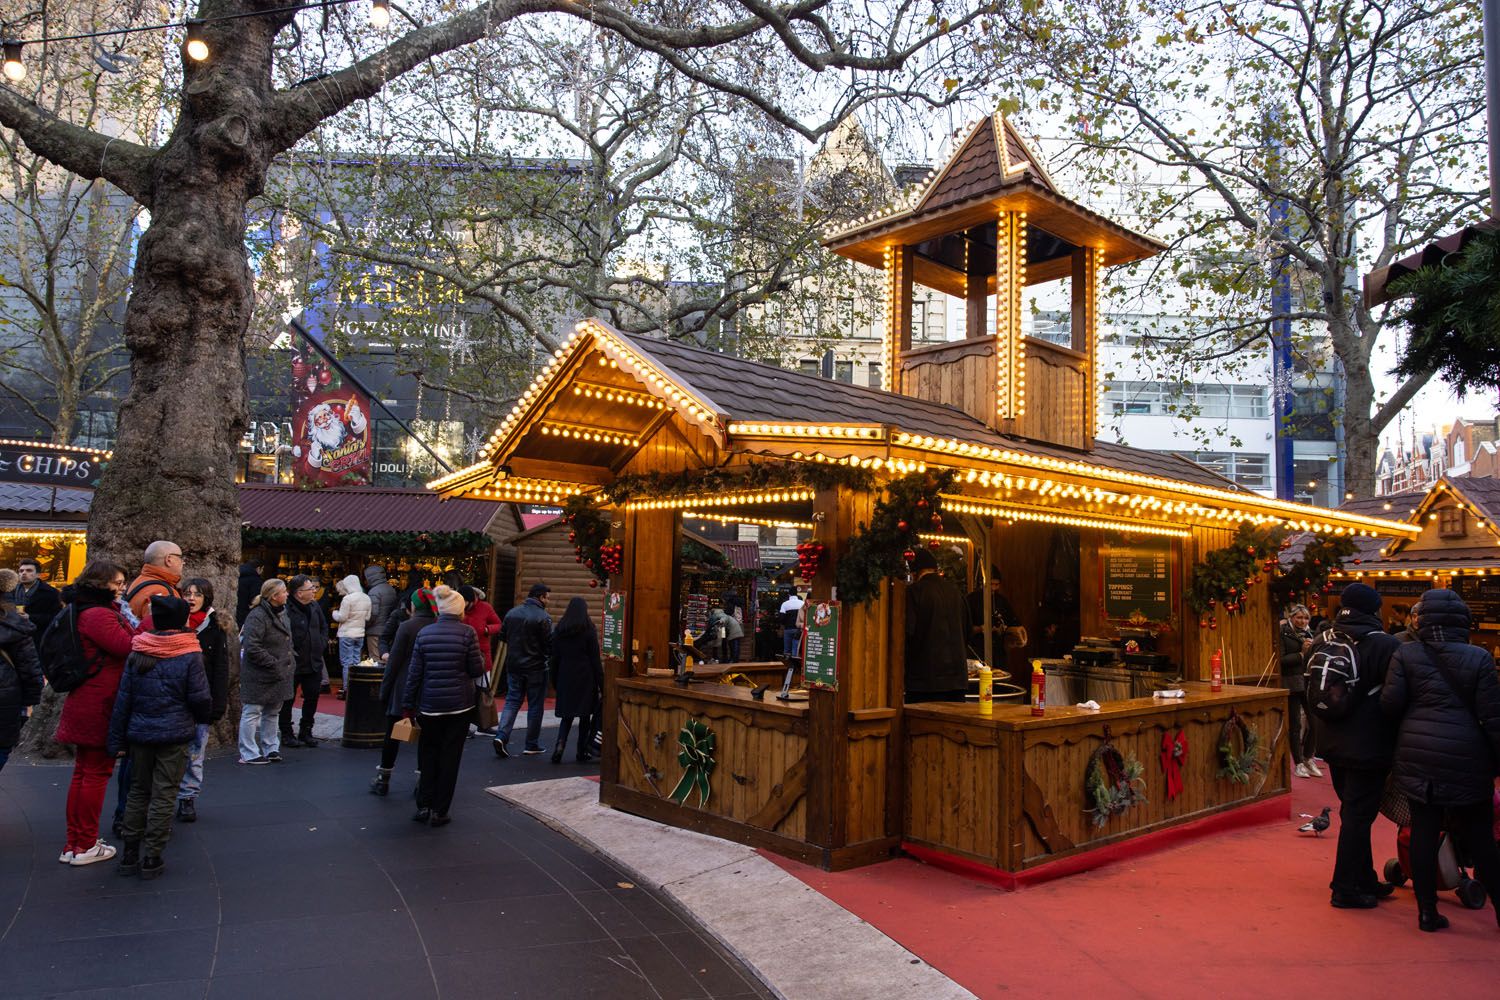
<point x="364" y="712"/>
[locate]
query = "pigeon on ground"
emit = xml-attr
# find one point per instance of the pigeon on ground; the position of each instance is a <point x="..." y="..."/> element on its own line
<point x="1317" y="824"/>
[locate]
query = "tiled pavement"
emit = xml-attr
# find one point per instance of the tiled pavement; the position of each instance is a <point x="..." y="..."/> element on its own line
<point x="297" y="882"/>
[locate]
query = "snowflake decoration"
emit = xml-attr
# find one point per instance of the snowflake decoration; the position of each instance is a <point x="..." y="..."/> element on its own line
<point x="458" y="340"/>
<point x="1281" y="385"/>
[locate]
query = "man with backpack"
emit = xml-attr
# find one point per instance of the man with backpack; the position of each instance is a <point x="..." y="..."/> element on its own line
<point x="1346" y="667"/>
<point x="159" y="577"/>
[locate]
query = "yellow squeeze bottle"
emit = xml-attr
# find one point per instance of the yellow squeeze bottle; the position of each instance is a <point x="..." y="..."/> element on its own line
<point x="986" y="691"/>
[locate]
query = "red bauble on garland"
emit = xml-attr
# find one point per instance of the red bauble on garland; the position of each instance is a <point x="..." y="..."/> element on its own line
<point x="810" y="558"/>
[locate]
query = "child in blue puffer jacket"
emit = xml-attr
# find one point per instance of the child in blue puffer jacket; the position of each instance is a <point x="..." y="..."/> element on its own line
<point x="163" y="696"/>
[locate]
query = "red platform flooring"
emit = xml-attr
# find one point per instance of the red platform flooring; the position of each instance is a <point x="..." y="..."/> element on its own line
<point x="1237" y="913"/>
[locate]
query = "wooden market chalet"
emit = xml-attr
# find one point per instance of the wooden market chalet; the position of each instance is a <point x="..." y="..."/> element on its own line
<point x="1080" y="527"/>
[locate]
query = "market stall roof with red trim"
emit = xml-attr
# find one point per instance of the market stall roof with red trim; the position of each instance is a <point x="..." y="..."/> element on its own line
<point x="359" y="509"/>
<point x="1426" y="549"/>
<point x="606" y="395"/>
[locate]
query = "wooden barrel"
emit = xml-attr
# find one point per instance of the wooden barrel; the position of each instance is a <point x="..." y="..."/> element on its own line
<point x="364" y="712"/>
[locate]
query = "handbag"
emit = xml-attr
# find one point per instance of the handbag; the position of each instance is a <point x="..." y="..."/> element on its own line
<point x="486" y="711"/>
<point x="406" y="731"/>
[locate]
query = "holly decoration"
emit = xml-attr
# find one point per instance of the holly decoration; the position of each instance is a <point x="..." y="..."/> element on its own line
<point x="884" y="547"/>
<point x="1226" y="576"/>
<point x="1308" y="576"/>
<point x="589" y="533"/>
<point x="810" y="558"/>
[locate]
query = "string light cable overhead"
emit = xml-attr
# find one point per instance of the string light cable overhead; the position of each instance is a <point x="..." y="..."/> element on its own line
<point x="194" y="43"/>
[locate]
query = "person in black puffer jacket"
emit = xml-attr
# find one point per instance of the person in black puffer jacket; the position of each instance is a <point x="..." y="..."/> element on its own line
<point x="309" y="642"/>
<point x="1448" y="750"/>
<point x="442" y="687"/>
<point x="20" y="670"/>
<point x="163" y="698"/>
<point x="1358" y="750"/>
<point x="422" y="613"/>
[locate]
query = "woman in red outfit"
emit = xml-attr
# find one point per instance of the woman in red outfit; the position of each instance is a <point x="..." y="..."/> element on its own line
<point x="481" y="617"/>
<point x="105" y="637"/>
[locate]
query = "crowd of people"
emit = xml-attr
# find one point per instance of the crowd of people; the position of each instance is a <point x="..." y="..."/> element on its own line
<point x="144" y="662"/>
<point x="1419" y="731"/>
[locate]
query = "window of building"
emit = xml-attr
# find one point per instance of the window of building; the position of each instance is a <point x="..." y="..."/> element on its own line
<point x="919" y="321"/>
<point x="808" y="367"/>
<point x="874" y="373"/>
<point x="843" y="371"/>
<point x="1240" y="402"/>
<point x="1251" y="470"/>
<point x="1452" y="522"/>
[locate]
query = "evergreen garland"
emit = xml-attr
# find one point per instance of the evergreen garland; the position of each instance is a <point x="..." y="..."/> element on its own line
<point x="416" y="543"/>
<point x="1453" y="310"/>
<point x="1226" y="576"/>
<point x="1307" y="578"/>
<point x="883" y="548"/>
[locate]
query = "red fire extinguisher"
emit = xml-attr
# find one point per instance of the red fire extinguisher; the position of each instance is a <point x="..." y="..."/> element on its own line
<point x="1038" y="689"/>
<point x="1216" y="671"/>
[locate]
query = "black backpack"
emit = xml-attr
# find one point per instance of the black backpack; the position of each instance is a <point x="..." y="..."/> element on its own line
<point x="61" y="652"/>
<point x="1331" y="677"/>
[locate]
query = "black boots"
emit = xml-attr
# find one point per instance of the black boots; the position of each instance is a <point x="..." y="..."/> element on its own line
<point x="151" y="868"/>
<point x="1429" y="919"/>
<point x="382" y="783"/>
<point x="187" y="811"/>
<point x="130" y="858"/>
<point x="289" y="741"/>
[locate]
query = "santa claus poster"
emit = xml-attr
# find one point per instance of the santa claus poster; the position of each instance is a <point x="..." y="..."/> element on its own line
<point x="333" y="446"/>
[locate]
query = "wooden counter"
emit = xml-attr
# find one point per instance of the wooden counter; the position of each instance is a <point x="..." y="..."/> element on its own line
<point x="1008" y="789"/>
<point x="759" y="784"/>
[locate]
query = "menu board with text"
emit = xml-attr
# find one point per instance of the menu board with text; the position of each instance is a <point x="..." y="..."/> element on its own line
<point x="821" y="645"/>
<point x="613" y="632"/>
<point x="1138" y="580"/>
<point x="1482" y="595"/>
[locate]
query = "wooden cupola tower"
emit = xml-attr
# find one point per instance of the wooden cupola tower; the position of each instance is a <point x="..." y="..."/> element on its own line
<point x="990" y="223"/>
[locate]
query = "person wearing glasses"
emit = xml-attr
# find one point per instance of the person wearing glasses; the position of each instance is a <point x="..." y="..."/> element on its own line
<point x="160" y="575"/>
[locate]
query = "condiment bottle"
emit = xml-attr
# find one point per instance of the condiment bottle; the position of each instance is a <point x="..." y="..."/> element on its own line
<point x="986" y="691"/>
<point x="1216" y="671"/>
<point x="1038" y="689"/>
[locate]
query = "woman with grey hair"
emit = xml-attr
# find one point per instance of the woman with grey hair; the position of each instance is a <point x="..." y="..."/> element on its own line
<point x="1296" y="640"/>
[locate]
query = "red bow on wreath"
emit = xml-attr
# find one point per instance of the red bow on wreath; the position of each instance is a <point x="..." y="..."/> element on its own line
<point x="1173" y="756"/>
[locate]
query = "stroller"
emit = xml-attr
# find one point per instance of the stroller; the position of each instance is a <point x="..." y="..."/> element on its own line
<point x="1452" y="873"/>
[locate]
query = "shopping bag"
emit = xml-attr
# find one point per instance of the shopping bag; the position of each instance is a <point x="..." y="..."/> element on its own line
<point x="486" y="712"/>
<point x="406" y="731"/>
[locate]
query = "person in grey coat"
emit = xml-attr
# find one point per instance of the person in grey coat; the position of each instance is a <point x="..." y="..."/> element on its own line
<point x="383" y="601"/>
<point x="1447" y="697"/>
<point x="266" y="669"/>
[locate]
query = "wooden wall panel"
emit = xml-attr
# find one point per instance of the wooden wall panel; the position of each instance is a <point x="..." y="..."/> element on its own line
<point x="547" y="557"/>
<point x="1056" y="396"/>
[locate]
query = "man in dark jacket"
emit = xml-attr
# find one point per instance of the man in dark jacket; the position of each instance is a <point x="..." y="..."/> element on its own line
<point x="441" y="687"/>
<point x="1358" y="750"/>
<point x="162" y="699"/>
<point x="527" y="632"/>
<point x="383" y="601"/>
<point x="309" y="640"/>
<point x="1447" y="697"/>
<point x="249" y="588"/>
<point x="937" y="624"/>
<point x="35" y="598"/>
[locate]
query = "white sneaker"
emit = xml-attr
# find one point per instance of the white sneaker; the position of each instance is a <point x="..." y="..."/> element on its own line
<point x="99" y="852"/>
<point x="1301" y="771"/>
<point x="1316" y="771"/>
<point x="65" y="858"/>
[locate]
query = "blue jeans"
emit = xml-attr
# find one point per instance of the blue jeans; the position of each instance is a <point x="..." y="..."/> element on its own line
<point x="532" y="686"/>
<point x="350" y="651"/>
<point x="791" y="638"/>
<point x="192" y="778"/>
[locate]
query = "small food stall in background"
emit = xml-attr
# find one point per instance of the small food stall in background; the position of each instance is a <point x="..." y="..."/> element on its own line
<point x="1458" y="548"/>
<point x="45" y="491"/>
<point x="331" y="533"/>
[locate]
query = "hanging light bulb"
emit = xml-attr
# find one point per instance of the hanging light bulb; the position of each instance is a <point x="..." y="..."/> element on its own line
<point x="380" y="13"/>
<point x="15" y="69"/>
<point x="195" y="46"/>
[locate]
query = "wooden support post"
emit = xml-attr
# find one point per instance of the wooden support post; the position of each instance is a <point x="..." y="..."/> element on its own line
<point x="649" y="583"/>
<point x="1010" y="347"/>
<point x="976" y="286"/>
<point x="1087" y="265"/>
<point x="897" y="314"/>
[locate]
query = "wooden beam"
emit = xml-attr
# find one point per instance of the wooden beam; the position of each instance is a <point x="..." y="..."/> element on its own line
<point x="567" y="472"/>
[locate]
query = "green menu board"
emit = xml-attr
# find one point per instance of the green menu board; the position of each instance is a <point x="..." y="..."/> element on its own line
<point x="821" y="645"/>
<point x="613" y="641"/>
<point x="1138" y="580"/>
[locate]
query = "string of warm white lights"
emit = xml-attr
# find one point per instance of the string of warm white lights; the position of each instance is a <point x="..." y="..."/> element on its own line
<point x="764" y="522"/>
<point x="194" y="45"/>
<point x="720" y="500"/>
<point x="965" y="505"/>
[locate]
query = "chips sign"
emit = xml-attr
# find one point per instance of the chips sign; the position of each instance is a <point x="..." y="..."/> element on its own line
<point x="50" y="465"/>
<point x="820" y="645"/>
<point x="613" y="632"/>
<point x="333" y="445"/>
